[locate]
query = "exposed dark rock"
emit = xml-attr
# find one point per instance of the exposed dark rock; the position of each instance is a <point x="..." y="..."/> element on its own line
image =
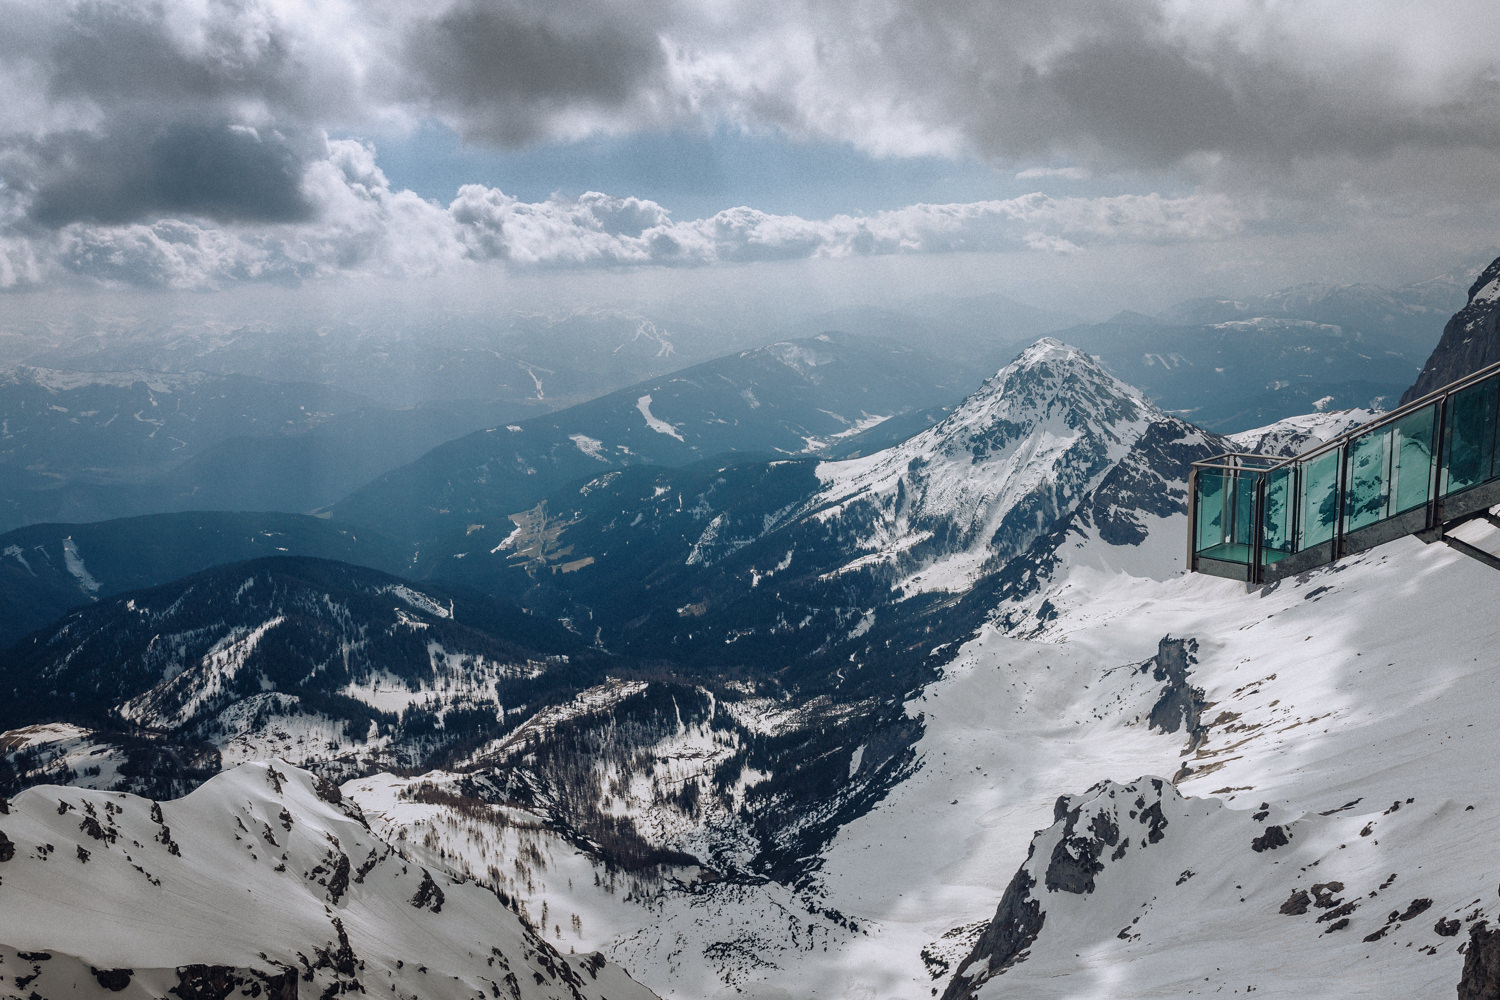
<point x="205" y="982"/>
<point x="1469" y="341"/>
<point x="1273" y="837"/>
<point x="1180" y="705"/>
<point x="1155" y="822"/>
<point x="1297" y="903"/>
<point x="91" y="826"/>
<point x="1342" y="910"/>
<point x="338" y="882"/>
<point x="1446" y="928"/>
<point x="7" y="848"/>
<point x="113" y="980"/>
<point x="341" y="958"/>
<point x="1481" y="975"/>
<point x="1325" y="894"/>
<point x="327" y="790"/>
<point x="1018" y="920"/>
<point x="594" y="964"/>
<point x="1075" y="858"/>
<point x="366" y="867"/>
<point x="428" y="895"/>
<point x="1417" y="908"/>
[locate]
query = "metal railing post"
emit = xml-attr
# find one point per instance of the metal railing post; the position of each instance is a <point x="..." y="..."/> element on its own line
<point x="1439" y="456"/>
<point x="1258" y="529"/>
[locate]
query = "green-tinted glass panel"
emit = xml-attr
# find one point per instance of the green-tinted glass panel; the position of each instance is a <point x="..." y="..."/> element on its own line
<point x="1276" y="538"/>
<point x="1209" y="510"/>
<point x="1320" y="480"/>
<point x="1470" y="433"/>
<point x="1369" y="483"/>
<point x="1411" y="472"/>
<point x="1244" y="508"/>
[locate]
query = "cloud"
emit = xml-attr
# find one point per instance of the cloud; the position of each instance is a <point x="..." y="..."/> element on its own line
<point x="516" y="72"/>
<point x="1101" y="84"/>
<point x="182" y="143"/>
<point x="357" y="223"/>
<point x="564" y="233"/>
<point x="215" y="171"/>
<point x="1107" y="84"/>
<point x="1065" y="173"/>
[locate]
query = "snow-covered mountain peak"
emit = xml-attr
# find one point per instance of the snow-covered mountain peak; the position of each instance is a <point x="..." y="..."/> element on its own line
<point x="1050" y="376"/>
<point x="980" y="485"/>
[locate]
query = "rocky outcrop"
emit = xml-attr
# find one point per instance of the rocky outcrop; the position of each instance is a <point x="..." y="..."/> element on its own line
<point x="1180" y="705"/>
<point x="1481" y="975"/>
<point x="1088" y="833"/>
<point x="1470" y="340"/>
<point x="1017" y="922"/>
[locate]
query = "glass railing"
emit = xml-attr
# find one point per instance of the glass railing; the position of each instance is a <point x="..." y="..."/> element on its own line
<point x="1429" y="463"/>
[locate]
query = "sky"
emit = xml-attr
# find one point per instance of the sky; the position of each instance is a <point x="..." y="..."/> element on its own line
<point x="1075" y="154"/>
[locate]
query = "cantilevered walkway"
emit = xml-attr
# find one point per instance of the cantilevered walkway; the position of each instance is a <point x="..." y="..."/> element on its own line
<point x="1421" y="469"/>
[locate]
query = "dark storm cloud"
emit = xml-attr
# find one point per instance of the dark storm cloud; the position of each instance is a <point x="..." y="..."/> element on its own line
<point x="508" y="70"/>
<point x="1143" y="100"/>
<point x="123" y="54"/>
<point x="1125" y="84"/>
<point x="214" y="171"/>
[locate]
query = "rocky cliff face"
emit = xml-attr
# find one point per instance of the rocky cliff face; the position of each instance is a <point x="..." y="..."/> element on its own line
<point x="1469" y="341"/>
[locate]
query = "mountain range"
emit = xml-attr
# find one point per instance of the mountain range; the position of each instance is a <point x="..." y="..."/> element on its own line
<point x="674" y="678"/>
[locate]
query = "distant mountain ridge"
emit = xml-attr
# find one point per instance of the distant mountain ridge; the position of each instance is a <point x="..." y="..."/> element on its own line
<point x="45" y="569"/>
<point x="793" y="397"/>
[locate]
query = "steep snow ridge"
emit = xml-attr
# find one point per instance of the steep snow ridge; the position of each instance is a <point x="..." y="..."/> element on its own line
<point x="1295" y="435"/>
<point x="1128" y="529"/>
<point x="982" y="484"/>
<point x="261" y="874"/>
<point x="182" y="696"/>
<point x="595" y="699"/>
<point x="419" y="601"/>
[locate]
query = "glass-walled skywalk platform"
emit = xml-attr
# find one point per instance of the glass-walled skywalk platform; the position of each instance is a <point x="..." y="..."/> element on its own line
<point x="1424" y="466"/>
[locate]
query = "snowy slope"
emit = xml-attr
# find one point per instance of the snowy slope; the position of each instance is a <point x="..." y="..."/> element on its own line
<point x="259" y="882"/>
<point x="1307" y="703"/>
<point x="1226" y="721"/>
<point x="1350" y="711"/>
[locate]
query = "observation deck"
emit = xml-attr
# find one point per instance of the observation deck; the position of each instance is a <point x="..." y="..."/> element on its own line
<point x="1418" y="470"/>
